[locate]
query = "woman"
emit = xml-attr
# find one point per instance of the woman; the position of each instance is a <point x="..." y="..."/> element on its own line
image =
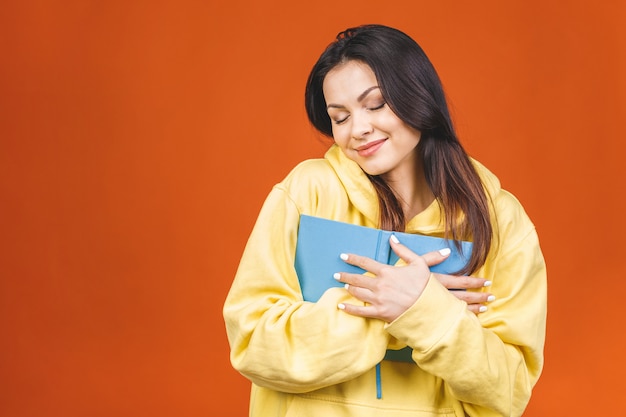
<point x="395" y="164"/>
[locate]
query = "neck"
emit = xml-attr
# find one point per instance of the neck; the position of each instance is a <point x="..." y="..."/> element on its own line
<point x="412" y="190"/>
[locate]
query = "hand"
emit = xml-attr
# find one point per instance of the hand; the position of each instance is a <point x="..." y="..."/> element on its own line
<point x="475" y="300"/>
<point x="396" y="288"/>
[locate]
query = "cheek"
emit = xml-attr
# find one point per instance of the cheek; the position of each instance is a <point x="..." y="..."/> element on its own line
<point x="393" y="122"/>
<point x="339" y="135"/>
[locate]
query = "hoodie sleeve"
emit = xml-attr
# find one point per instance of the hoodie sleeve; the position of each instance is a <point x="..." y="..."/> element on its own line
<point x="277" y="340"/>
<point x="489" y="362"/>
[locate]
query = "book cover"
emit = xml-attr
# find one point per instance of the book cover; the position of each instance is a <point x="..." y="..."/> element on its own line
<point x="321" y="241"/>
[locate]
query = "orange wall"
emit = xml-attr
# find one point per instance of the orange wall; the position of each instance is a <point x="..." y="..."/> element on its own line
<point x="138" y="140"/>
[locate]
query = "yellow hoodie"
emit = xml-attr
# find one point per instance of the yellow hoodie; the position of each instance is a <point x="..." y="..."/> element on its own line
<point x="312" y="359"/>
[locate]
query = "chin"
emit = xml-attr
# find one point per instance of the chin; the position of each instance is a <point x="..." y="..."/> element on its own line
<point x="374" y="170"/>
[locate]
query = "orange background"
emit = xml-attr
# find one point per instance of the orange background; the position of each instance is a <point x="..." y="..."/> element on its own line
<point x="139" y="139"/>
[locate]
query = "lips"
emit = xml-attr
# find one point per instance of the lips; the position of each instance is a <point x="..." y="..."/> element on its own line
<point x="370" y="148"/>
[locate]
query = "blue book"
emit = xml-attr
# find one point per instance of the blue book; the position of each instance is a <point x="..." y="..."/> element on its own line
<point x="321" y="241"/>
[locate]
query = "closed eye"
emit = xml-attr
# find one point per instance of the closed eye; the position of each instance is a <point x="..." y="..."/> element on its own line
<point x="377" y="107"/>
<point x="340" y="121"/>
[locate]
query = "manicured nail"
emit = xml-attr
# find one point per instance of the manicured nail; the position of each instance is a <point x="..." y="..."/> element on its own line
<point x="491" y="298"/>
<point x="394" y="239"/>
<point x="337" y="276"/>
<point x="487" y="284"/>
<point x="444" y="251"/>
<point x="482" y="309"/>
<point x="344" y="256"/>
<point x="346" y="286"/>
<point x="341" y="306"/>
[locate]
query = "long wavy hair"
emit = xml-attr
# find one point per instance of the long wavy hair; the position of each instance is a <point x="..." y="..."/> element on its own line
<point x="412" y="89"/>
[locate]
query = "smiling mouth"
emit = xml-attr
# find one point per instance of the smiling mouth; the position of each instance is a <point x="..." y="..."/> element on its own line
<point x="370" y="148"/>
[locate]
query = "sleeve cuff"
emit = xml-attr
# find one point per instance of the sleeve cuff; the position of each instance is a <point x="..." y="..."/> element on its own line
<point x="427" y="321"/>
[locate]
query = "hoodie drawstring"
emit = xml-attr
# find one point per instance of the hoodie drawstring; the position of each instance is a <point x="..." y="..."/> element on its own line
<point x="379" y="385"/>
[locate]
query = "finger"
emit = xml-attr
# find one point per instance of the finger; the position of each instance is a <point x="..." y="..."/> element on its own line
<point x="477" y="308"/>
<point x="354" y="280"/>
<point x="462" y="282"/>
<point x="361" y="311"/>
<point x="436" y="257"/>
<point x="363" y="262"/>
<point x="471" y="297"/>
<point x="406" y="254"/>
<point x="475" y="300"/>
<point x="360" y="293"/>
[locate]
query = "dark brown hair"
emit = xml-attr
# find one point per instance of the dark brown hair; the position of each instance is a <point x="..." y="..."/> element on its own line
<point x="411" y="87"/>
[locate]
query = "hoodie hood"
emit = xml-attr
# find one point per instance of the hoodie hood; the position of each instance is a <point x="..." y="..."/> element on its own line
<point x="362" y="194"/>
<point x="360" y="190"/>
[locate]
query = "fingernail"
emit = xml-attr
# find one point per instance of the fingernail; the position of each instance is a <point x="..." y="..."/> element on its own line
<point x="337" y="276"/>
<point x="491" y="298"/>
<point x="341" y="306"/>
<point x="344" y="256"/>
<point x="444" y="251"/>
<point x="487" y="284"/>
<point x="394" y="239"/>
<point x="482" y="309"/>
<point x="346" y="286"/>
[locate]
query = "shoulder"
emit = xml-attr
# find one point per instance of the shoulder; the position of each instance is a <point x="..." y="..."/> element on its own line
<point x="509" y="216"/>
<point x="513" y="228"/>
<point x="509" y="209"/>
<point x="311" y="172"/>
<point x="309" y="181"/>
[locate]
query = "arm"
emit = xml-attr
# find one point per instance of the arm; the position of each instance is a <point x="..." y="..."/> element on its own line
<point x="490" y="362"/>
<point x="279" y="341"/>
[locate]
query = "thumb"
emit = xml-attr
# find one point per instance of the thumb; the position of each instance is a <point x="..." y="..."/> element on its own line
<point x="403" y="252"/>
<point x="436" y="257"/>
<point x="408" y="256"/>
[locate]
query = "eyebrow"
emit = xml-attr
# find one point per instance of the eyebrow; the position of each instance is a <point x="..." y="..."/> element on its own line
<point x="359" y="98"/>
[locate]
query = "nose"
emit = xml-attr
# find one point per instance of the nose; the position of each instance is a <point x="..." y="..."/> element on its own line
<point x="361" y="125"/>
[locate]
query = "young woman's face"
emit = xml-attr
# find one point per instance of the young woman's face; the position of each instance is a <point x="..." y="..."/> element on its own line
<point x="364" y="126"/>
